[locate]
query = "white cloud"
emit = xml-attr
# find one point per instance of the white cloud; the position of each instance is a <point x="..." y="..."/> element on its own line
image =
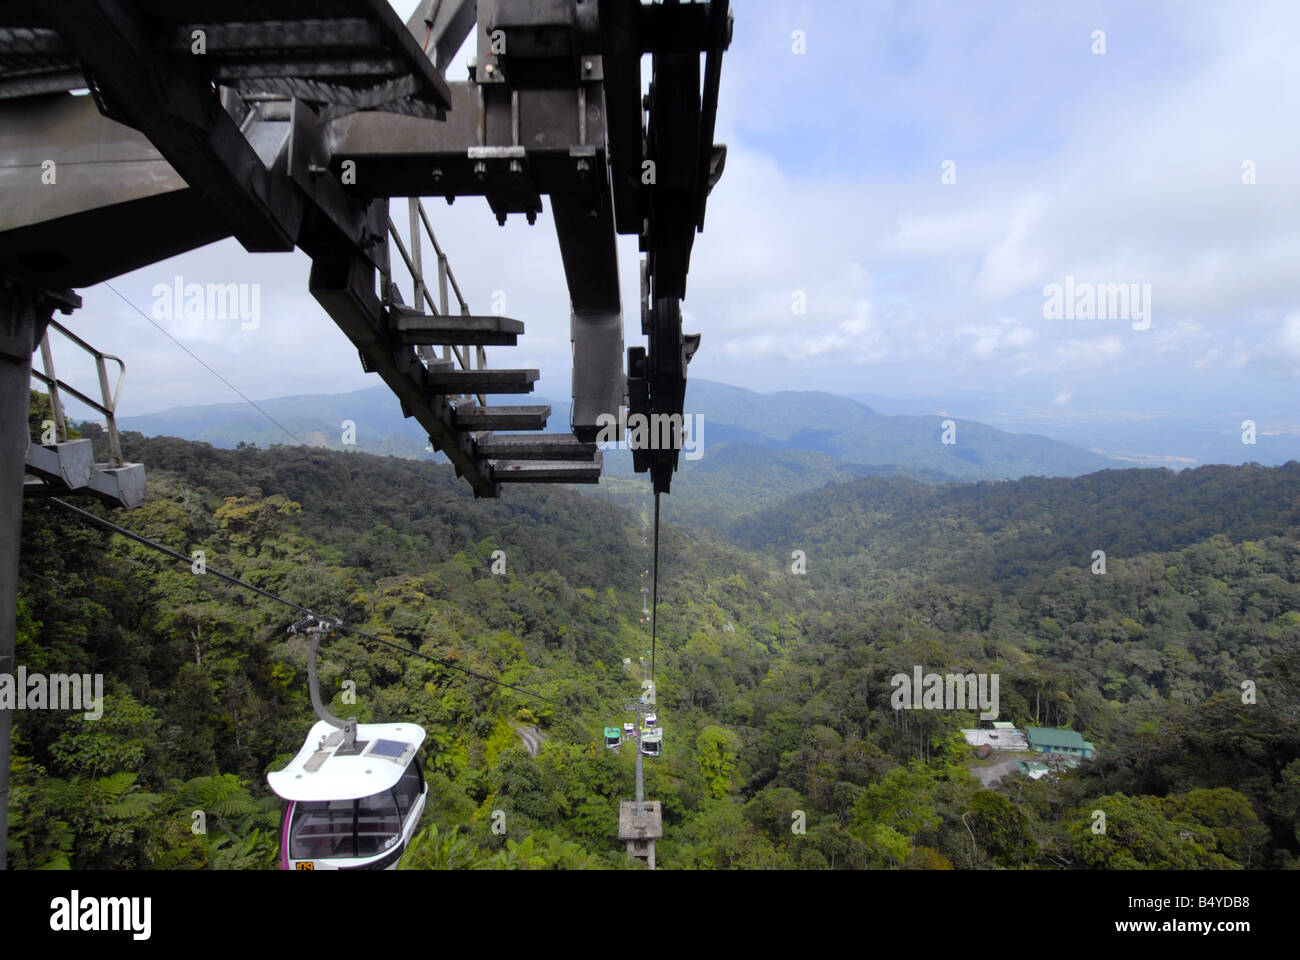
<point x="1288" y="341"/>
<point x="1124" y="168"/>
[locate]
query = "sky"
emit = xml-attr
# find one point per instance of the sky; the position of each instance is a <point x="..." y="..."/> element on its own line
<point x="904" y="183"/>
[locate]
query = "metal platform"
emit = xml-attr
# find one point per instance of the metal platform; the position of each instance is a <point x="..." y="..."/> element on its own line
<point x="420" y="328"/>
<point x="541" y="471"/>
<point x="341" y="54"/>
<point x="523" y="446"/>
<point x="69" y="468"/>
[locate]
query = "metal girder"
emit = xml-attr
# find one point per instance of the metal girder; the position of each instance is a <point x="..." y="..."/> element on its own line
<point x="712" y="158"/>
<point x="334" y="220"/>
<point x="516" y="147"/>
<point x="674" y="148"/>
<point x="558" y="144"/>
<point x="444" y="25"/>
<point x="35" y="84"/>
<point x="622" y="54"/>
<point x="553" y="108"/>
<point x="511" y="138"/>
<point x="171" y="102"/>
<point x="115" y="205"/>
<point x="35" y="60"/>
<point x="586" y="235"/>
<point x="538" y="43"/>
<point x="243" y="40"/>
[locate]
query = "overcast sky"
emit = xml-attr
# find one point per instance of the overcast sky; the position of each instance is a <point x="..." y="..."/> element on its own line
<point x="1126" y="166"/>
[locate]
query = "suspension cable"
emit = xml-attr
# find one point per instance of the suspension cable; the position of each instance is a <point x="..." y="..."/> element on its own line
<point x="243" y="396"/>
<point x="654" y="607"/>
<point x="145" y="541"/>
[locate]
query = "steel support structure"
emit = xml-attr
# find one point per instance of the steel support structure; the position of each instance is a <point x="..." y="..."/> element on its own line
<point x="25" y="311"/>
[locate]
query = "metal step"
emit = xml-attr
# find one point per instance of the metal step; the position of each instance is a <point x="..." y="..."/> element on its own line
<point x="421" y="329"/>
<point x="510" y="471"/>
<point x="69" y="467"/>
<point x="66" y="466"/>
<point x="546" y="446"/>
<point x="482" y="381"/>
<point x="501" y="418"/>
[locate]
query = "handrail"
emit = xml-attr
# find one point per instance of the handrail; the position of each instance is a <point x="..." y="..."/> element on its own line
<point x="412" y="257"/>
<point x="109" y="406"/>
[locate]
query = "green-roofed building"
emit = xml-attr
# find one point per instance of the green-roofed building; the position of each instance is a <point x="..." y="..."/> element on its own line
<point x="1055" y="740"/>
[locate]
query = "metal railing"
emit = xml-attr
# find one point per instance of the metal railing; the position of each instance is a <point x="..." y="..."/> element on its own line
<point x="413" y="258"/>
<point x="109" y="405"/>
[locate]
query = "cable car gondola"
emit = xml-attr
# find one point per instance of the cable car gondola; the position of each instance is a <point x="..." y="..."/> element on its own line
<point x="356" y="792"/>
<point x="652" y="742"/>
<point x="613" y="738"/>
<point x="351" y="806"/>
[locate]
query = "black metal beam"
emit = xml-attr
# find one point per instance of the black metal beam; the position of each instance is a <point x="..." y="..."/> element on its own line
<point x="174" y="105"/>
<point x="443" y="26"/>
<point x="673" y="27"/>
<point x="621" y="53"/>
<point x="719" y="38"/>
<point x="673" y="146"/>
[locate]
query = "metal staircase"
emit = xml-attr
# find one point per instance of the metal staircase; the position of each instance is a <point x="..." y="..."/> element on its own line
<point x="449" y="350"/>
<point x="67" y="466"/>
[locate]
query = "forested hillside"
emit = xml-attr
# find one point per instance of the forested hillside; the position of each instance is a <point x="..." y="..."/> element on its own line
<point x="774" y="687"/>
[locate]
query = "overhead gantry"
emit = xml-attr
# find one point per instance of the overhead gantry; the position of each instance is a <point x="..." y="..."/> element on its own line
<point x="291" y="123"/>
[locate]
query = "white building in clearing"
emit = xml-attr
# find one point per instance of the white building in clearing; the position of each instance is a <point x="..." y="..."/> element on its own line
<point x="1003" y="736"/>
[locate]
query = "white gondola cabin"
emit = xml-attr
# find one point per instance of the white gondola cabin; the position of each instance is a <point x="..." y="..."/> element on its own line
<point x="351" y="808"/>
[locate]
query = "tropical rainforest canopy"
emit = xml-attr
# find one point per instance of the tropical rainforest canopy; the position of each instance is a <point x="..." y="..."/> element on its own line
<point x="1181" y="663"/>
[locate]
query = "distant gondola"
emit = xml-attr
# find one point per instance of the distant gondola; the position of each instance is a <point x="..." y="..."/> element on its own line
<point x="613" y="738"/>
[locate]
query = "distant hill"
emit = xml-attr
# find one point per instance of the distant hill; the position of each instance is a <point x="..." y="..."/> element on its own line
<point x="735" y="479"/>
<point x="316" y="420"/>
<point x="759" y="449"/>
<point x="1007" y="531"/>
<point x="855" y="433"/>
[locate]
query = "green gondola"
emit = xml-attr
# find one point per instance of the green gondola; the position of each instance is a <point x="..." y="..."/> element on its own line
<point x="613" y="738"/>
<point x="652" y="742"/>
